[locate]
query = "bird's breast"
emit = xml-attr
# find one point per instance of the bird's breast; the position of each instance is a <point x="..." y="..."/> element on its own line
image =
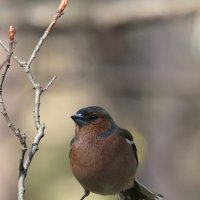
<point x="104" y="166"/>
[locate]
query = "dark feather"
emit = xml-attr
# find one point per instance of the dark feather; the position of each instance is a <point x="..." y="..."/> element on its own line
<point x="127" y="135"/>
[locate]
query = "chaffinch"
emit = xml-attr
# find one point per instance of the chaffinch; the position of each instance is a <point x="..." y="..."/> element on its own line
<point x="103" y="157"/>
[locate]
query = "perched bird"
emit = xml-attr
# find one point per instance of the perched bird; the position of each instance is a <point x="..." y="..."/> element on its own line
<point x="103" y="157"/>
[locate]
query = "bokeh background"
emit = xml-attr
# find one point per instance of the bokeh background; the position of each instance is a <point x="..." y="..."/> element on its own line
<point x="138" y="59"/>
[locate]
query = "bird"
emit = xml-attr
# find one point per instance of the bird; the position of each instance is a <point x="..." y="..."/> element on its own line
<point x="103" y="157"/>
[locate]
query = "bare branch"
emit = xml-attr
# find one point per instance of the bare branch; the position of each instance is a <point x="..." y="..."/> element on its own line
<point x="5" y="61"/>
<point x="40" y="127"/>
<point x="59" y="13"/>
<point x="35" y="146"/>
<point x="38" y="92"/>
<point x="21" y="137"/>
<point x="20" y="62"/>
<point x="49" y="84"/>
<point x="3" y="108"/>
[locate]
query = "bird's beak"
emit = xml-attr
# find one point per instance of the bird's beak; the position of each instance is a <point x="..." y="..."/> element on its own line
<point x="79" y="119"/>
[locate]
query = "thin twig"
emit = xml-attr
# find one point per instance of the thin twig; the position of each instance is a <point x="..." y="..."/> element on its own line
<point x="20" y="62"/>
<point x="59" y="13"/>
<point x="49" y="84"/>
<point x="5" y="61"/>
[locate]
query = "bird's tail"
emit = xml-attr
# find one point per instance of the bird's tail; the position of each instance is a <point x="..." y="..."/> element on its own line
<point x="139" y="192"/>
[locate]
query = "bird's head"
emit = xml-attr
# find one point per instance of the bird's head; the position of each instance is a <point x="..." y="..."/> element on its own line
<point x="93" y="117"/>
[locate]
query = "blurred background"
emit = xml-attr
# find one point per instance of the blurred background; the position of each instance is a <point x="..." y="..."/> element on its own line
<point x="140" y="60"/>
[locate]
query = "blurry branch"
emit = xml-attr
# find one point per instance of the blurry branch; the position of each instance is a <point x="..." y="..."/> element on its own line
<point x="25" y="161"/>
<point x="105" y="13"/>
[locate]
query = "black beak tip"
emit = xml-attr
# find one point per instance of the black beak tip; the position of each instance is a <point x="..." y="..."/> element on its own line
<point x="73" y="117"/>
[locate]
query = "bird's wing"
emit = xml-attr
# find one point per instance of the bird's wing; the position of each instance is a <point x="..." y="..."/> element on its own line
<point x="129" y="138"/>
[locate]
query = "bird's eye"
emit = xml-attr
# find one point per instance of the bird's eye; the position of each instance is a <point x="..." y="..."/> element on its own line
<point x="94" y="116"/>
